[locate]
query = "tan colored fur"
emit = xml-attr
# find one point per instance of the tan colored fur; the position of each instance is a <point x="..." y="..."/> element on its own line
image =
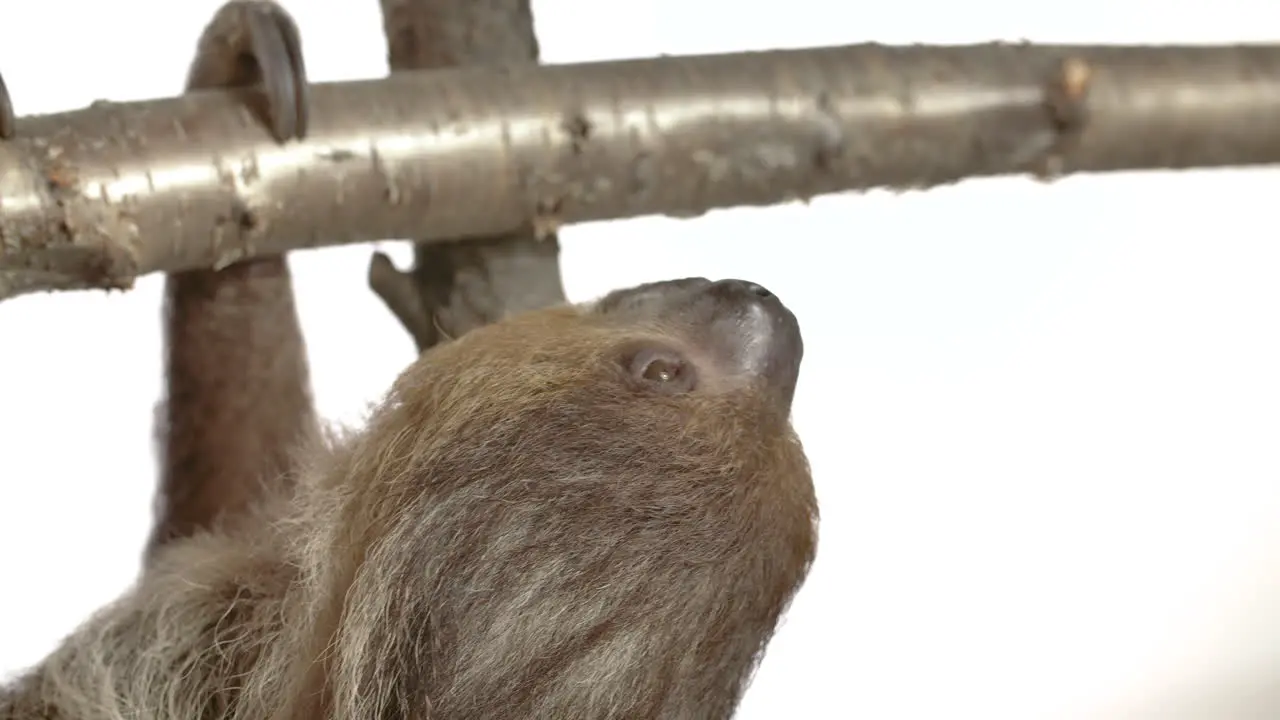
<point x="518" y="533"/>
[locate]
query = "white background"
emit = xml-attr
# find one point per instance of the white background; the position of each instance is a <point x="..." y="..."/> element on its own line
<point x="1043" y="419"/>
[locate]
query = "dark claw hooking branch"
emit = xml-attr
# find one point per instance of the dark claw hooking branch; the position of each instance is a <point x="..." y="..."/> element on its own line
<point x="6" y="112"/>
<point x="278" y="49"/>
<point x="262" y="32"/>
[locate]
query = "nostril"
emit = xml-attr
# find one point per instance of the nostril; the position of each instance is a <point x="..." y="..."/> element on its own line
<point x="760" y="290"/>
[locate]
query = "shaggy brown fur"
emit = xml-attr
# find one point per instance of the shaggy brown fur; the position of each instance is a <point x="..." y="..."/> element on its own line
<point x="531" y="526"/>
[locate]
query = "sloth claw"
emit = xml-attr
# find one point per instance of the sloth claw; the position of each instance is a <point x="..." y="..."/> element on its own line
<point x="261" y="38"/>
<point x="277" y="47"/>
<point x="6" y="112"/>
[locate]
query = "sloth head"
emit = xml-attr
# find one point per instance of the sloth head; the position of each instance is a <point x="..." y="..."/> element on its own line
<point x="609" y="492"/>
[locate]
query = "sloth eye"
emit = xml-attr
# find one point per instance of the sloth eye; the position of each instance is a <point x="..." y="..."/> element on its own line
<point x="663" y="370"/>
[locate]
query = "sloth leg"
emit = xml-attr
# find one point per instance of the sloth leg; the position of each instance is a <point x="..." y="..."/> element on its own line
<point x="237" y="389"/>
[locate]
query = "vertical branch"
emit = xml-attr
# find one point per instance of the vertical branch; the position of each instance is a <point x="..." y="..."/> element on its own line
<point x="456" y="286"/>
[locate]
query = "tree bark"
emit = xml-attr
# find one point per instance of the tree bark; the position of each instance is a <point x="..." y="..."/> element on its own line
<point x="95" y="197"/>
<point x="455" y="285"/>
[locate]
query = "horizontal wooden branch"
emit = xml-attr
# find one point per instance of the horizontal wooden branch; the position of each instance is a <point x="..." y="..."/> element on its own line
<point x="95" y="197"/>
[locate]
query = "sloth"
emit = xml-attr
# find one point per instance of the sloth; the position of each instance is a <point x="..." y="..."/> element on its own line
<point x="594" y="511"/>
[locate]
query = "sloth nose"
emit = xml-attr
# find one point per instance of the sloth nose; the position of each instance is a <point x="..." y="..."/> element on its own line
<point x="755" y="333"/>
<point x="743" y="325"/>
<point x="744" y="287"/>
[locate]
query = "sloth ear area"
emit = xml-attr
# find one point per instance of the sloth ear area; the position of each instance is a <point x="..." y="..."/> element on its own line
<point x="661" y="369"/>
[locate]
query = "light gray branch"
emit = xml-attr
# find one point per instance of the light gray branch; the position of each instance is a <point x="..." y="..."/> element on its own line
<point x="95" y="197"/>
